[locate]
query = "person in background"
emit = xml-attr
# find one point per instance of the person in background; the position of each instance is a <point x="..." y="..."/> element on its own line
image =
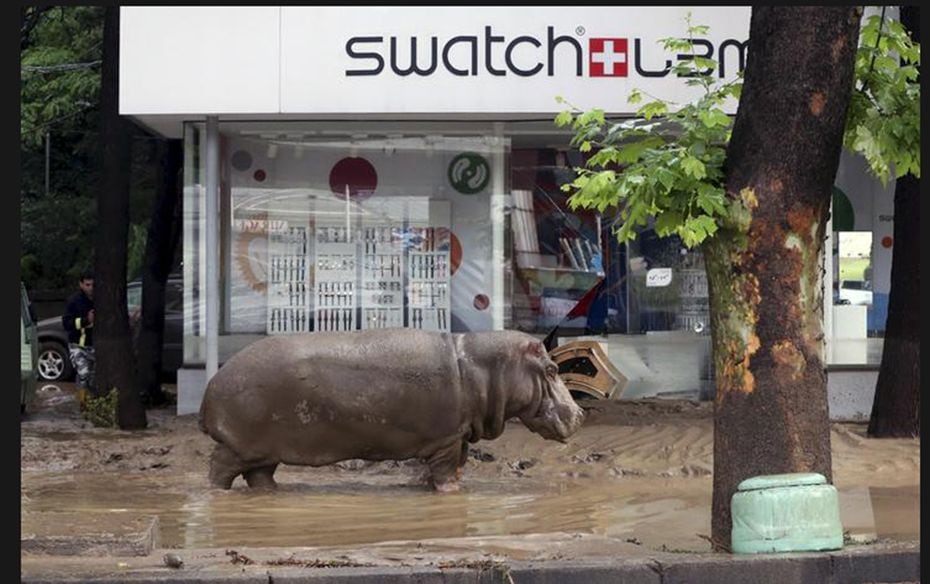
<point x="78" y="320"/>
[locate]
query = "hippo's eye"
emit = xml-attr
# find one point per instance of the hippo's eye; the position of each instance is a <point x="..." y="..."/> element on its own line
<point x="552" y="370"/>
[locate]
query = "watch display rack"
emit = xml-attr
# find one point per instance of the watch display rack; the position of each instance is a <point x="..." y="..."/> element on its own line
<point x="382" y="286"/>
<point x="288" y="292"/>
<point x="336" y="277"/>
<point x="428" y="294"/>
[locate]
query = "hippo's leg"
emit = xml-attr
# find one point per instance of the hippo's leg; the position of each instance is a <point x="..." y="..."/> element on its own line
<point x="261" y="477"/>
<point x="225" y="466"/>
<point x="445" y="466"/>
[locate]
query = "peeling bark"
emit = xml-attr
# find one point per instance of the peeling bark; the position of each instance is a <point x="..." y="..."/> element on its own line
<point x="764" y="269"/>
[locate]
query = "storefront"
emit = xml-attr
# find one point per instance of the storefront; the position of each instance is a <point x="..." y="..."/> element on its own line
<point x="350" y="168"/>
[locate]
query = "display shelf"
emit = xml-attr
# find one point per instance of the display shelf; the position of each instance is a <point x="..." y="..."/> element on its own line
<point x="288" y="291"/>
<point x="335" y="279"/>
<point x="382" y="286"/>
<point x="428" y="273"/>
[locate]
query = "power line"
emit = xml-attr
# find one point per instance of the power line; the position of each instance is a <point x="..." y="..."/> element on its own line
<point x="57" y="68"/>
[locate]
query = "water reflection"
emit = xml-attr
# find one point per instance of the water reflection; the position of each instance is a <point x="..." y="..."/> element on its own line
<point x="653" y="512"/>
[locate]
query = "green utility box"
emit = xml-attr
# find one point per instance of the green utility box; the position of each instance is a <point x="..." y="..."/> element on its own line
<point x="785" y="513"/>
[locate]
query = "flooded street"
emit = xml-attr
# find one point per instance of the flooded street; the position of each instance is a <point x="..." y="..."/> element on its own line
<point x="637" y="471"/>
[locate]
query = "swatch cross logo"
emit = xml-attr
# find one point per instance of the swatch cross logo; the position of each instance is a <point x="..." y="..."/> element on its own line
<point x="607" y="57"/>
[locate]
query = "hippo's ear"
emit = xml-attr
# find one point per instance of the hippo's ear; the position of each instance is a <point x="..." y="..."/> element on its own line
<point x="535" y="349"/>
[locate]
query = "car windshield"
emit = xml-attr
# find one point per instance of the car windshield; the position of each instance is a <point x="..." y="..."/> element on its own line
<point x="24" y="307"/>
<point x="133" y="296"/>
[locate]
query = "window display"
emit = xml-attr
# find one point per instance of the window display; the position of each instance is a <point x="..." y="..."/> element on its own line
<point x="288" y="292"/>
<point x="383" y="277"/>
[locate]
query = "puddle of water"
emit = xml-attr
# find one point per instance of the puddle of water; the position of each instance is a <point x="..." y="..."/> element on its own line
<point x="652" y="512"/>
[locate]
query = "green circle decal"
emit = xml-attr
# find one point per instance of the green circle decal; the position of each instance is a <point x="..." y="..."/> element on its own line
<point x="469" y="173"/>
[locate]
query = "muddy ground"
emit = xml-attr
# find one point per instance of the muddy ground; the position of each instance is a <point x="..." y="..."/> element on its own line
<point x="636" y="474"/>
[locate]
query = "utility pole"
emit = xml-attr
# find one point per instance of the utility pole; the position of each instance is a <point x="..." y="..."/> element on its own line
<point x="48" y="149"/>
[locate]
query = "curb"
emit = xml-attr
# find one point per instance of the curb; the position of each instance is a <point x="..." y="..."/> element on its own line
<point x="853" y="565"/>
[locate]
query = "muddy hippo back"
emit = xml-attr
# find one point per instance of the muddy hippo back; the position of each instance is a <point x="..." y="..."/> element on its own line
<point x="313" y="399"/>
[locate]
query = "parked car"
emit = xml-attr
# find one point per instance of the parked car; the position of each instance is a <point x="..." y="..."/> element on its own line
<point x="28" y="351"/>
<point x="855" y="292"/>
<point x="54" y="364"/>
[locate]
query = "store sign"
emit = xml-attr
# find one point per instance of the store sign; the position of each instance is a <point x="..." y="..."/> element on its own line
<point x="195" y="60"/>
<point x="374" y="55"/>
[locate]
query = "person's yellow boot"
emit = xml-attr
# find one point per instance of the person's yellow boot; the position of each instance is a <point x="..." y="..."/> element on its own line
<point x="82" y="398"/>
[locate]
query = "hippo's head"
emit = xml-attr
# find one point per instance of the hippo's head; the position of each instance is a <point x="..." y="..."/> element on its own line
<point x="551" y="411"/>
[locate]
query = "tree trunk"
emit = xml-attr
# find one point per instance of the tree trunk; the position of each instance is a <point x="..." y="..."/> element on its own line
<point x="112" y="339"/>
<point x="163" y="236"/>
<point x="896" y="408"/>
<point x="764" y="269"/>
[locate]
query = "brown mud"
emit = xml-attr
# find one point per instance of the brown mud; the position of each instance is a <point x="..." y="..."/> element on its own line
<point x="638" y="473"/>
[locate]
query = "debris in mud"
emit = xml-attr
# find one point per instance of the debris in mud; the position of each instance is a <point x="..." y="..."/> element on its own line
<point x="173" y="561"/>
<point x="593" y="457"/>
<point x="488" y="564"/>
<point x="633" y="541"/>
<point x="158" y="451"/>
<point x="575" y="475"/>
<point x="522" y="464"/>
<point x="688" y="470"/>
<point x="353" y="464"/>
<point x="155" y="466"/>
<point x="618" y="471"/>
<point x="114" y="457"/>
<point x="317" y="563"/>
<point x="481" y="455"/>
<point x="237" y="558"/>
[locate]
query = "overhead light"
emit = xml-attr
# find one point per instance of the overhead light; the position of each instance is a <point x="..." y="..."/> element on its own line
<point x="272" y="150"/>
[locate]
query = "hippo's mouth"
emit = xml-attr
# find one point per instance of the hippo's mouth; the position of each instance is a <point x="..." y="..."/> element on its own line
<point x="551" y="426"/>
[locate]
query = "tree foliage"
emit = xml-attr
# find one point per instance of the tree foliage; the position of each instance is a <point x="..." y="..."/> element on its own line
<point x="61" y="51"/>
<point x="668" y="162"/>
<point x="884" y="115"/>
<point x="59" y="70"/>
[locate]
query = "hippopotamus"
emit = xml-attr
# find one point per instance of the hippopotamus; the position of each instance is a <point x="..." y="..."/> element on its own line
<point x="387" y="394"/>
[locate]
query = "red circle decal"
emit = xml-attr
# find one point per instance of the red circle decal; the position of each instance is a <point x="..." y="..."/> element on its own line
<point x="887" y="241"/>
<point x="481" y="301"/>
<point x="356" y="174"/>
<point x="259" y="175"/>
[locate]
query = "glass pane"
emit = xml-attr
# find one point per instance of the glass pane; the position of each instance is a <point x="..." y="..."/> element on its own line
<point x="334" y="231"/>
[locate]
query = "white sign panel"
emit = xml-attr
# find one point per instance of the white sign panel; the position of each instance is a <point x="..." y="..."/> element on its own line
<point x="424" y="59"/>
<point x="658" y="277"/>
<point x="199" y="59"/>
<point x="507" y="59"/>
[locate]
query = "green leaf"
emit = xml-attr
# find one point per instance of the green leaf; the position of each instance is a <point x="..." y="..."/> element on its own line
<point x="564" y="118"/>
<point x="666" y="178"/>
<point x="668" y="223"/>
<point x="693" y="167"/>
<point x="652" y="109"/>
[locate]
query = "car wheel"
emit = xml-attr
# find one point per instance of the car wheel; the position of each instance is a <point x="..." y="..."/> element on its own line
<point x="53" y="363"/>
